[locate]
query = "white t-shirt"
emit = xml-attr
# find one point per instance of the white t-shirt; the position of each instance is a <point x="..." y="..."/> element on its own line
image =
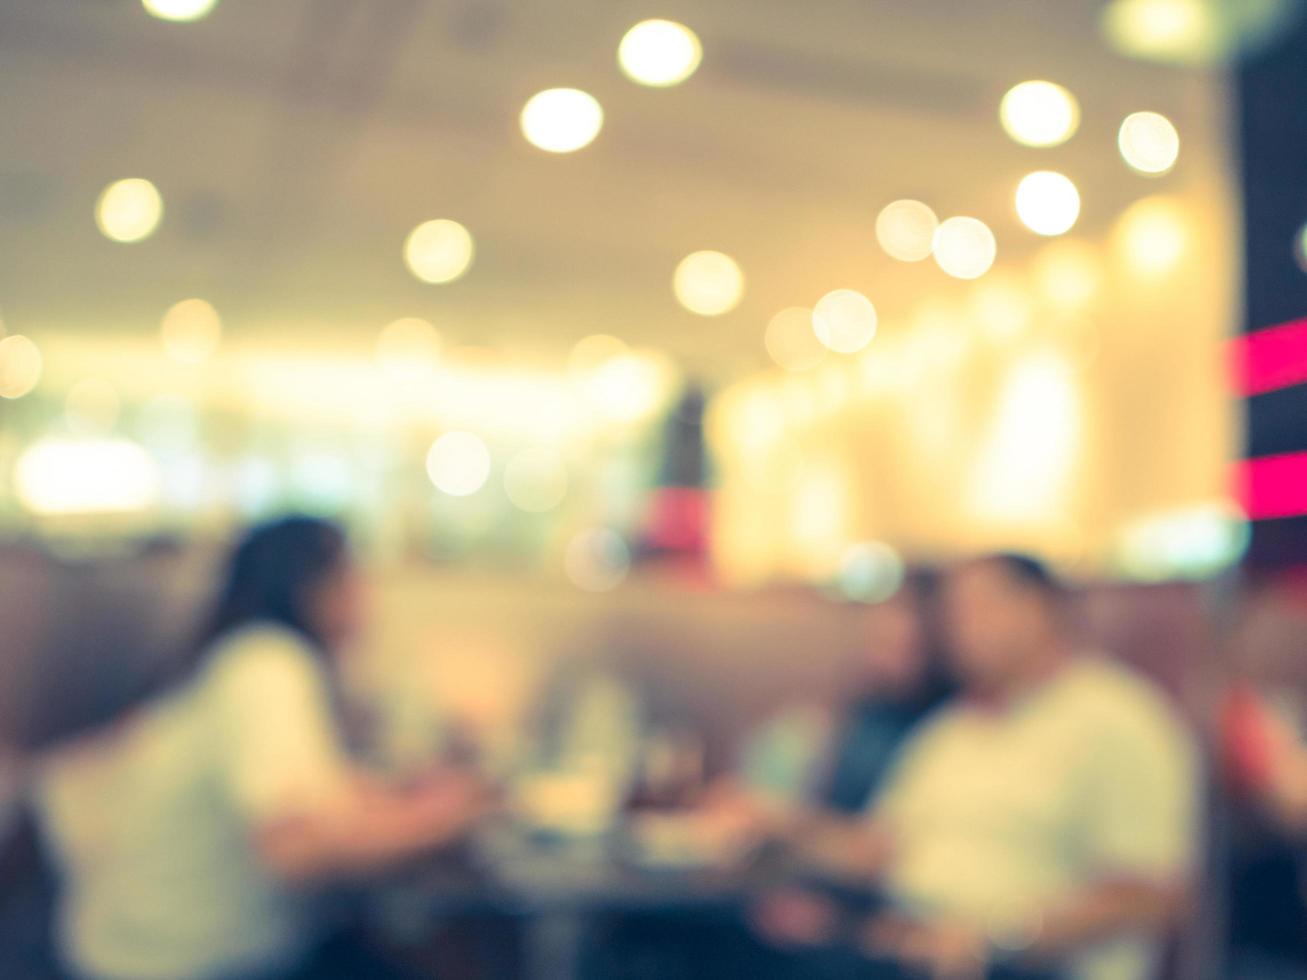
<point x="153" y="823"/>
<point x="997" y="815"/>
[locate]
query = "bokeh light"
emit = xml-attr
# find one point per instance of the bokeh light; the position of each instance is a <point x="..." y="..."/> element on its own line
<point x="1039" y="113"/>
<point x="1001" y="306"/>
<point x="844" y="321"/>
<point x="191" y="331"/>
<point x="93" y="476"/>
<point x="1152" y="236"/>
<point x="562" y="120"/>
<point x="1067" y="275"/>
<point x="1149" y="143"/>
<point x="535" y="480"/>
<point x="179" y="10"/>
<point x="630" y="386"/>
<point x="708" y="283"/>
<point x="659" y="53"/>
<point x="1048" y="203"/>
<point x="458" y="463"/>
<point x="409" y="348"/>
<point x="1167" y="30"/>
<point x="129" y="210"/>
<point x="870" y="572"/>
<point x="597" y="559"/>
<point x="20" y="366"/>
<point x="906" y="230"/>
<point x="1300" y="248"/>
<point x="965" y="248"/>
<point x="791" y="340"/>
<point x="589" y="354"/>
<point x="439" y="251"/>
<point x="92" y="406"/>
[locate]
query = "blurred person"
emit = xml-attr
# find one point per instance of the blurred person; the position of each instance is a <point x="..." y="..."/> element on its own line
<point x="901" y="678"/>
<point x="814" y="770"/>
<point x="1262" y="729"/>
<point x="1043" y="825"/>
<point x="190" y="836"/>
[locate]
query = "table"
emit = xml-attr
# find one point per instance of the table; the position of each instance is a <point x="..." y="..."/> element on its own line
<point x="557" y="889"/>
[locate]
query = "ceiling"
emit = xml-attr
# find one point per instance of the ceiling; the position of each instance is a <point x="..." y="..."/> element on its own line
<point x="296" y="142"/>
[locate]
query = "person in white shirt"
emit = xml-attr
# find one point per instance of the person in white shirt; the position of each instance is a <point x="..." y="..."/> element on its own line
<point x="1046" y="822"/>
<point x="190" y="835"/>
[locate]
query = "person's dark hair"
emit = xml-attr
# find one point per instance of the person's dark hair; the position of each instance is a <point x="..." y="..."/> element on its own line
<point x="1027" y="572"/>
<point x="921" y="587"/>
<point x="270" y="574"/>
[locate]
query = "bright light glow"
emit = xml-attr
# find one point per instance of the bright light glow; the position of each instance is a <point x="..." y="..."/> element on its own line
<point x="1166" y="30"/>
<point x="630" y="386"/>
<point x="1192" y="543"/>
<point x="562" y="120"/>
<point x="20" y="366"/>
<point x="1048" y="203"/>
<point x="438" y="251"/>
<point x="409" y="348"/>
<point x="129" y="210"/>
<point x="844" y="321"/>
<point x="98" y="476"/>
<point x="1026" y="461"/>
<point x="1300" y="248"/>
<point x="591" y="353"/>
<point x="1001" y="307"/>
<point x="1039" y="113"/>
<point x="659" y="53"/>
<point x="92" y="406"/>
<point x="458" y="464"/>
<point x="906" y="230"/>
<point x="965" y="248"/>
<point x="535" y="480"/>
<point x="1067" y="275"/>
<point x="870" y="572"/>
<point x="1152" y="235"/>
<point x="179" y="10"/>
<point x="708" y="283"/>
<point x="791" y="340"/>
<point x="1149" y="143"/>
<point x="191" y="331"/>
<point x="597" y="560"/>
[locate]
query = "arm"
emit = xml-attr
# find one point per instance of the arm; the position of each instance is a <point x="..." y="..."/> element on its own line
<point x="959" y="950"/>
<point x="369" y="827"/>
<point x="1103" y="910"/>
<point x="310" y="812"/>
<point x="846" y="849"/>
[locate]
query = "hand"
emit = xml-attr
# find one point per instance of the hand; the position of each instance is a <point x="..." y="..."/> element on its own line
<point x="796" y="918"/>
<point x="945" y="950"/>
<point x="453" y="800"/>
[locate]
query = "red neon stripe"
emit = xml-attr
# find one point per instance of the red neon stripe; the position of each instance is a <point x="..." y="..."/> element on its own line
<point x="1269" y="359"/>
<point x="1273" y="486"/>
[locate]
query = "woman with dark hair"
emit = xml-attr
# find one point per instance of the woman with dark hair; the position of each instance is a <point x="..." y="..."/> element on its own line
<point x="190" y="835"/>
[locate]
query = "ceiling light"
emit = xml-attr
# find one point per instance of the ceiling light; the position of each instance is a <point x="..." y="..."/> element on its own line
<point x="906" y="230"/>
<point x="708" y="283"/>
<point x="659" y="53"/>
<point x="1149" y="143"/>
<point x="562" y="120"/>
<point x="1047" y="203"/>
<point x="129" y="210"/>
<point x="439" y="251"/>
<point x="1038" y="113"/>
<point x="965" y="248"/>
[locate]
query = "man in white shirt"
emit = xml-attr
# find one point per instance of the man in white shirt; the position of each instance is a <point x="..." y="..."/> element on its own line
<point x="1047" y="820"/>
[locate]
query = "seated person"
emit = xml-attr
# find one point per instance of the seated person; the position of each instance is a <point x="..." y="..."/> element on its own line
<point x="1042" y="824"/>
<point x="808" y="765"/>
<point x="188" y="834"/>
<point x="1263" y="742"/>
